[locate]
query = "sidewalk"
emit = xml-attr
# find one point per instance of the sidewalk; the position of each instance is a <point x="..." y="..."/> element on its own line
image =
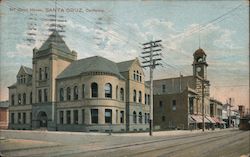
<point x="155" y="133"/>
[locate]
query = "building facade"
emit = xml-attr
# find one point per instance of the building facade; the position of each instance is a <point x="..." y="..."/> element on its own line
<point x="4" y="114"/>
<point x="93" y="94"/>
<point x="216" y="108"/>
<point x="178" y="101"/>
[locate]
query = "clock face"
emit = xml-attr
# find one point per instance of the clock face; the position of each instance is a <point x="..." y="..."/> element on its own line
<point x="198" y="69"/>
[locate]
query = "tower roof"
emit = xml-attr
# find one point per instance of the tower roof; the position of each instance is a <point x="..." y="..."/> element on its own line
<point x="199" y="52"/>
<point x="56" y="40"/>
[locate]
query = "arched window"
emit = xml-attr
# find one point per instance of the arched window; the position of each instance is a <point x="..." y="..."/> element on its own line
<point x="140" y="97"/>
<point x="108" y="90"/>
<point x="75" y="93"/>
<point x="68" y="94"/>
<point x="40" y="73"/>
<point x="134" y="117"/>
<point x="116" y="92"/>
<point x="122" y="94"/>
<point x="140" y="117"/>
<point x="145" y="99"/>
<point x="134" y="76"/>
<point x="140" y="77"/>
<point x="134" y="95"/>
<point x="19" y="99"/>
<point x="30" y="97"/>
<point x="61" y="94"/>
<point x="94" y="90"/>
<point x="12" y="99"/>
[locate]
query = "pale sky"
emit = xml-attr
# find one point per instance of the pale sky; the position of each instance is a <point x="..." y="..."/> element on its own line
<point x="116" y="30"/>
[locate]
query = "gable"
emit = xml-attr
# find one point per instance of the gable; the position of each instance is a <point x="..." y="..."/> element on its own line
<point x="136" y="66"/>
<point x="24" y="71"/>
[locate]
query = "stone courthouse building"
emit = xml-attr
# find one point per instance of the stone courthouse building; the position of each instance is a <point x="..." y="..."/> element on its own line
<point x="60" y="92"/>
<point x="178" y="101"/>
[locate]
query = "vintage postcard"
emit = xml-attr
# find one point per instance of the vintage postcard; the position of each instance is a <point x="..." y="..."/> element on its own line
<point x="124" y="78"/>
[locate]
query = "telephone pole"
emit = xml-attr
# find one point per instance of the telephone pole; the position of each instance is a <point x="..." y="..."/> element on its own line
<point x="151" y="57"/>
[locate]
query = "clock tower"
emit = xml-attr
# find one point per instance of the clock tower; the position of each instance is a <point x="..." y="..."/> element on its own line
<point x="200" y="64"/>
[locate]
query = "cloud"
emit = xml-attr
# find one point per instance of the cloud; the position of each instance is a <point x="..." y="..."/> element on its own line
<point x="225" y="39"/>
<point x="154" y="23"/>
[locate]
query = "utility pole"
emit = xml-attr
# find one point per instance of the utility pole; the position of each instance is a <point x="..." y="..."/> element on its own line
<point x="151" y="57"/>
<point x="203" y="81"/>
<point x="203" y="106"/>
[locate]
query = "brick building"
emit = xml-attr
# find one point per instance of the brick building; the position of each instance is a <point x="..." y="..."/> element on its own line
<point x="178" y="101"/>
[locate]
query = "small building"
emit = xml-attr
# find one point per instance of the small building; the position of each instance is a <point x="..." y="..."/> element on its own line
<point x="4" y="114"/>
<point x="230" y="116"/>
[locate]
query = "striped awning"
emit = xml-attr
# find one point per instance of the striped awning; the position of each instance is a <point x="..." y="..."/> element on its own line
<point x="210" y="119"/>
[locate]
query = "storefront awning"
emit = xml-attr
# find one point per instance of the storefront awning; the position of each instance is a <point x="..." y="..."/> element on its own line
<point x="216" y="120"/>
<point x="210" y="119"/>
<point x="191" y="120"/>
<point x="196" y="118"/>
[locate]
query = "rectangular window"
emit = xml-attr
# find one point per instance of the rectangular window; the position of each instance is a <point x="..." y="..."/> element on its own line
<point x="12" y="99"/>
<point x="61" y="117"/>
<point x="19" y="118"/>
<point x="40" y="95"/>
<point x="163" y="88"/>
<point x="30" y="117"/>
<point x="75" y="116"/>
<point x="174" y="105"/>
<point x="83" y="116"/>
<point x="160" y="104"/>
<point x="12" y="118"/>
<point x="163" y="118"/>
<point x="191" y="105"/>
<point x="108" y="116"/>
<point x="94" y="116"/>
<point x="68" y="115"/>
<point x="45" y="95"/>
<point x="122" y="117"/>
<point x="145" y="118"/>
<point x="24" y="118"/>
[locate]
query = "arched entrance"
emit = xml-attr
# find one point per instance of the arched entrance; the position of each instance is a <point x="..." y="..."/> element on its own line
<point x="43" y="119"/>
